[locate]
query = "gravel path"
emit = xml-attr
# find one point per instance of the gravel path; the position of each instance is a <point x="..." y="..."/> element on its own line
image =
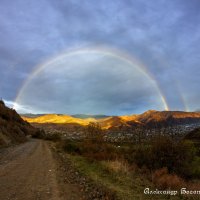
<point x="29" y="172"/>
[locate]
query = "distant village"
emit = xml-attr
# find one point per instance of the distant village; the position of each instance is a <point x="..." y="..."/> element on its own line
<point x="136" y="134"/>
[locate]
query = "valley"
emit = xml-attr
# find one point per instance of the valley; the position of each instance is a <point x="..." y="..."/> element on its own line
<point x="99" y="100"/>
<point x="83" y="157"/>
<point x="119" y="128"/>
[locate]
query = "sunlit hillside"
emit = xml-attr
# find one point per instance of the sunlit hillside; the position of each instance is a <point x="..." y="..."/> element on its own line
<point x="59" y="119"/>
<point x="148" y="118"/>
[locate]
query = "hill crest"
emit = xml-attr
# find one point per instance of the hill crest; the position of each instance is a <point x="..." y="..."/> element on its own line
<point x="148" y="118"/>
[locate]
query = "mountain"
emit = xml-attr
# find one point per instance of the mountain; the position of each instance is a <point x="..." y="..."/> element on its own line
<point x="13" y="129"/>
<point x="30" y="115"/>
<point x="83" y="116"/>
<point x="151" y="118"/>
<point x="106" y="122"/>
<point x="168" y="118"/>
<point x="59" y="119"/>
<point x="80" y="116"/>
<point x="112" y="122"/>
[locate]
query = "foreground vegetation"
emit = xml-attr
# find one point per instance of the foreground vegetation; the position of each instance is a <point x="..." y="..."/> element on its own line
<point x="127" y="169"/>
<point x="127" y="179"/>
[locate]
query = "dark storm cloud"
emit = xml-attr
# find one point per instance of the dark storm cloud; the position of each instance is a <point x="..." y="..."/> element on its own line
<point x="90" y="84"/>
<point x="164" y="35"/>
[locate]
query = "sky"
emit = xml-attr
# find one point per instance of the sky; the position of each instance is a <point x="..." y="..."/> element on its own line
<point x="118" y="57"/>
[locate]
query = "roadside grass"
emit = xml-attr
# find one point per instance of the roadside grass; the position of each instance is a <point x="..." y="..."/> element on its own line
<point x="126" y="170"/>
<point x="117" y="177"/>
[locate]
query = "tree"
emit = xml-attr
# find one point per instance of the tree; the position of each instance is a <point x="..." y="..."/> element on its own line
<point x="94" y="132"/>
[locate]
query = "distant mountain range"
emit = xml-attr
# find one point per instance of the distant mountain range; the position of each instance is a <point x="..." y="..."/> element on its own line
<point x="80" y="116"/>
<point x="83" y="116"/>
<point x="151" y="118"/>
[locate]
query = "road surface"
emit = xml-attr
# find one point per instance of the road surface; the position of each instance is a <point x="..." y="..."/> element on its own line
<point x="29" y="172"/>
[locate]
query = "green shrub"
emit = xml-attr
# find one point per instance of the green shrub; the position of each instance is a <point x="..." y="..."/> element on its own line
<point x="177" y="157"/>
<point x="71" y="147"/>
<point x="91" y="149"/>
<point x="40" y="134"/>
<point x="53" y="137"/>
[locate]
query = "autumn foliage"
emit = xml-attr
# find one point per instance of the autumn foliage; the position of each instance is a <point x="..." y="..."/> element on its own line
<point x="177" y="157"/>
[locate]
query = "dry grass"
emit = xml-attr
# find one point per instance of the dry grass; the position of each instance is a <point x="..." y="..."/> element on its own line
<point x="117" y="166"/>
<point x="162" y="179"/>
<point x="193" y="185"/>
<point x="117" y="177"/>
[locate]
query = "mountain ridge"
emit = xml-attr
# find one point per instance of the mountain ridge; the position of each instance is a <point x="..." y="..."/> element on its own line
<point x="148" y="118"/>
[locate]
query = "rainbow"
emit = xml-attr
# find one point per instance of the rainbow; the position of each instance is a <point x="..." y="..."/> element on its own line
<point x="104" y="51"/>
<point x="177" y="89"/>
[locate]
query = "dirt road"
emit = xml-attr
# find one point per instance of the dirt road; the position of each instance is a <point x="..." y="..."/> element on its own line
<point x="29" y="172"/>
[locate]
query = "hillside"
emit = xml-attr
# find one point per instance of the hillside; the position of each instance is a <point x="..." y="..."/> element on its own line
<point x="154" y="118"/>
<point x="150" y="118"/>
<point x="13" y="129"/>
<point x="59" y="119"/>
<point x="194" y="135"/>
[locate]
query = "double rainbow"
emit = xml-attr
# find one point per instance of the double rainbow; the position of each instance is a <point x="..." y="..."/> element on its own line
<point x="97" y="50"/>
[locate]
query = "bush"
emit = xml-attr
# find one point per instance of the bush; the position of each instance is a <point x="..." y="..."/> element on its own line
<point x="93" y="150"/>
<point x="53" y="137"/>
<point x="117" y="166"/>
<point x="143" y="157"/>
<point x="40" y="134"/>
<point x="93" y="146"/>
<point x="71" y="147"/>
<point x="185" y="156"/>
<point x="163" y="180"/>
<point x="178" y="157"/>
<point x="94" y="132"/>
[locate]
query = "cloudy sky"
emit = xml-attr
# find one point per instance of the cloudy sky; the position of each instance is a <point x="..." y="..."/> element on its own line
<point x="163" y="35"/>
